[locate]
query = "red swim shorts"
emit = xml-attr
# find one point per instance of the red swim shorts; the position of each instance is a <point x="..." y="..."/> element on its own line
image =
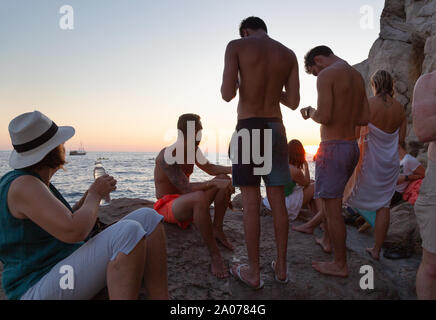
<point x="164" y="206"/>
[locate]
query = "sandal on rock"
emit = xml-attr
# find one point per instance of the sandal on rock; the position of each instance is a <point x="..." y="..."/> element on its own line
<point x="239" y="277"/>
<point x="273" y="266"/>
<point x="398" y="253"/>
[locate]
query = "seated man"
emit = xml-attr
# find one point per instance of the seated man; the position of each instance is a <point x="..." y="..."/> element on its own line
<point x="181" y="201"/>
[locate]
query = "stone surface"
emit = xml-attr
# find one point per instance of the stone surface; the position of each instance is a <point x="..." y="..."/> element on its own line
<point x="406" y="47"/>
<point x="190" y="278"/>
<point x="403" y="229"/>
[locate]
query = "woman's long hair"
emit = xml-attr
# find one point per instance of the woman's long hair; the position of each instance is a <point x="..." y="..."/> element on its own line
<point x="297" y="154"/>
<point x="383" y="84"/>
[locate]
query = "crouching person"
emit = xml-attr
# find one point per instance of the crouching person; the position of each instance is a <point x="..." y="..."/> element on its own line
<point x="43" y="239"/>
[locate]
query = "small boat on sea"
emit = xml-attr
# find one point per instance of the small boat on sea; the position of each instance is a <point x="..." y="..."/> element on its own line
<point x="80" y="152"/>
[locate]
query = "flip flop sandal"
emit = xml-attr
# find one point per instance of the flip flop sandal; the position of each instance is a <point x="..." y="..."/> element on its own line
<point x="239" y="277"/>
<point x="273" y="267"/>
<point x="397" y="253"/>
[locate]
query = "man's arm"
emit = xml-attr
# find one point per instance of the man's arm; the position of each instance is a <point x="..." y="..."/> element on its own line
<point x="179" y="180"/>
<point x="212" y="169"/>
<point x="291" y="96"/>
<point x="323" y="114"/>
<point x="424" y="110"/>
<point x="230" y="74"/>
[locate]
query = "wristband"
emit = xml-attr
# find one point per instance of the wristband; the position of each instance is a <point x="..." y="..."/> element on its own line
<point x="307" y="113"/>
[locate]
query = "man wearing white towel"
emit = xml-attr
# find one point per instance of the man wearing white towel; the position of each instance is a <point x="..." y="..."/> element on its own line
<point x="424" y="119"/>
<point x="342" y="106"/>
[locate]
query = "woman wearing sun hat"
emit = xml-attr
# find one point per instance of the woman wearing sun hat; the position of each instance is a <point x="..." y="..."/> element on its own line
<point x="41" y="236"/>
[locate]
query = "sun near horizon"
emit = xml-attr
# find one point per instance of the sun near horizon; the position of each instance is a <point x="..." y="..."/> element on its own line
<point x="311" y="149"/>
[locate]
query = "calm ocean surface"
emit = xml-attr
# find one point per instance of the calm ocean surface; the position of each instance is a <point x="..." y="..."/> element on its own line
<point x="133" y="171"/>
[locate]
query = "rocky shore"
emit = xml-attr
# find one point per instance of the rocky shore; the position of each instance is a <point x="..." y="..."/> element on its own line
<point x="406" y="47"/>
<point x="190" y="279"/>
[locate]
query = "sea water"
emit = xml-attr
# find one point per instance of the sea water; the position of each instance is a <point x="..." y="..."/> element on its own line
<point x="133" y="171"/>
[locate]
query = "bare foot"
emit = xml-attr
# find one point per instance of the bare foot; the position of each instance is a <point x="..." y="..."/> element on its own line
<point x="221" y="238"/>
<point x="304" y="228"/>
<point x="218" y="268"/>
<point x="253" y="283"/>
<point x="325" y="244"/>
<point x="375" y="255"/>
<point x="330" y="268"/>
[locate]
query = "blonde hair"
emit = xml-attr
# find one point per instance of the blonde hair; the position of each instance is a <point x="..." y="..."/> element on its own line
<point x="383" y="84"/>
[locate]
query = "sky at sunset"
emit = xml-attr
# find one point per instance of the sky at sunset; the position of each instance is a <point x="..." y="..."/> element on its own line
<point x="129" y="68"/>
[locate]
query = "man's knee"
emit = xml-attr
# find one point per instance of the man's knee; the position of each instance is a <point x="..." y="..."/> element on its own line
<point x="200" y="198"/>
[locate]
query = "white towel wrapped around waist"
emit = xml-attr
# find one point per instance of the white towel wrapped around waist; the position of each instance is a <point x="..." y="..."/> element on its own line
<point x="378" y="176"/>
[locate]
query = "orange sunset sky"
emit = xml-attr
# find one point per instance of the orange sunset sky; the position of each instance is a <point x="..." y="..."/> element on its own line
<point x="129" y="69"/>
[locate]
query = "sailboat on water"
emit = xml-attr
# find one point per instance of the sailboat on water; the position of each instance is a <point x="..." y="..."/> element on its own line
<point x="80" y="152"/>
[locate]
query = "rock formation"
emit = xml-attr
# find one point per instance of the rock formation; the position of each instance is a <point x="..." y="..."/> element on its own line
<point x="406" y="47"/>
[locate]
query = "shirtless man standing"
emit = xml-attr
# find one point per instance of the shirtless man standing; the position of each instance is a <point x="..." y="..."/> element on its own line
<point x="265" y="66"/>
<point x="182" y="202"/>
<point x="424" y="119"/>
<point x="342" y="106"/>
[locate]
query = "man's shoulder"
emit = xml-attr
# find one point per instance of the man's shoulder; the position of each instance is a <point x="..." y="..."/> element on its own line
<point x="327" y="74"/>
<point x="160" y="158"/>
<point x="234" y="44"/>
<point x="342" y="71"/>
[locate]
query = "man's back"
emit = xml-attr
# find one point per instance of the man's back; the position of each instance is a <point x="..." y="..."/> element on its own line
<point x="265" y="66"/>
<point x="348" y="99"/>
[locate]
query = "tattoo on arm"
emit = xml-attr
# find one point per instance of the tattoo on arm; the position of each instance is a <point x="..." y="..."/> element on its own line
<point x="176" y="177"/>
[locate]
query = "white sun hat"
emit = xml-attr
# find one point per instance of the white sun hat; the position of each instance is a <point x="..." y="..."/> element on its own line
<point x="33" y="136"/>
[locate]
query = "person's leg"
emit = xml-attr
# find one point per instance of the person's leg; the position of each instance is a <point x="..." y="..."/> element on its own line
<point x="380" y="231"/>
<point x="310" y="226"/>
<point x="276" y="196"/>
<point x="251" y="204"/>
<point x="308" y="193"/>
<point x="195" y="205"/>
<point x="426" y="277"/>
<point x="221" y="199"/>
<point x="156" y="269"/>
<point x="337" y="232"/>
<point x="125" y="273"/>
<point x="113" y="257"/>
<point x="325" y="241"/>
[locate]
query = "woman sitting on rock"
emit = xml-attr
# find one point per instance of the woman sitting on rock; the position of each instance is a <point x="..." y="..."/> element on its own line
<point x="300" y="191"/>
<point x="42" y="239"/>
<point x="411" y="172"/>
